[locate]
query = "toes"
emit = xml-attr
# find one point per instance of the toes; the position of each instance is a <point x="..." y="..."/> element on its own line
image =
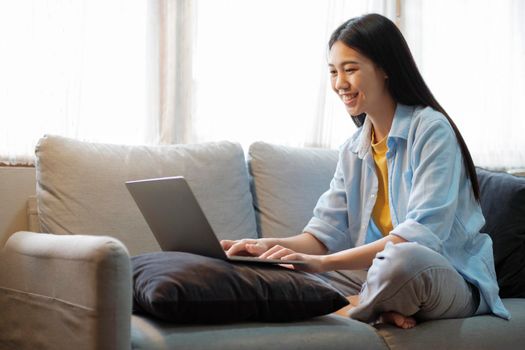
<point x="398" y="320"/>
<point x="410" y="322"/>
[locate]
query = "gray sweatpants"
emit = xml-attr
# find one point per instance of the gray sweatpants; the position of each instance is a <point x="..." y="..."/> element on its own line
<point x="410" y="279"/>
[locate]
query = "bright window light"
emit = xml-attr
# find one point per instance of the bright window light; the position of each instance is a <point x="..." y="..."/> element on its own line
<point x="74" y="68"/>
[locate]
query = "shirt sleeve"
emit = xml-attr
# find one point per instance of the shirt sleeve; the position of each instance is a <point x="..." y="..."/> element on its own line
<point x="437" y="170"/>
<point x="329" y="223"/>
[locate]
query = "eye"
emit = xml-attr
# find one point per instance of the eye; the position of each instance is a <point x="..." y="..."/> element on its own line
<point x="333" y="72"/>
<point x="350" y="70"/>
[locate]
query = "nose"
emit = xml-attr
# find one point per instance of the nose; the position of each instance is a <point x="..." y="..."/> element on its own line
<point x="341" y="83"/>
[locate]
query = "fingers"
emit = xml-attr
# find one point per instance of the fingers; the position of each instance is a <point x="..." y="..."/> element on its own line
<point x="293" y="256"/>
<point x="241" y="247"/>
<point x="276" y="252"/>
<point x="271" y="251"/>
<point x="226" y="244"/>
<point x="256" y="249"/>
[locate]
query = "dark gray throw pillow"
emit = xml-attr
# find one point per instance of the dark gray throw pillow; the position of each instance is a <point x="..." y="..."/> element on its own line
<point x="187" y="288"/>
<point x="503" y="205"/>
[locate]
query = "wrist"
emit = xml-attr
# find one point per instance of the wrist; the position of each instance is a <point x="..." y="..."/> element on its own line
<point x="326" y="262"/>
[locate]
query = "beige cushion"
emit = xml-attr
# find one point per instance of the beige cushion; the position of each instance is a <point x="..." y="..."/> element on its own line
<point x="32" y="215"/>
<point x="287" y="183"/>
<point x="80" y="187"/>
<point x="326" y="332"/>
<point x="481" y="332"/>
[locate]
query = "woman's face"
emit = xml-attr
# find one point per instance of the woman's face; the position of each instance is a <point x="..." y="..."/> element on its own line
<point x="360" y="84"/>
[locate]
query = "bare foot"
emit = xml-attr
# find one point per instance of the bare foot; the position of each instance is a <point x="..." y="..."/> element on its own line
<point x="398" y="320"/>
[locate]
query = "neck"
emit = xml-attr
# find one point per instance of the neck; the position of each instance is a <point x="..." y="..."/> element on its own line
<point x="382" y="117"/>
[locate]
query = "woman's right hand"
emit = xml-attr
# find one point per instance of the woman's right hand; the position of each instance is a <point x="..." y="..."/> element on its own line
<point x="250" y="247"/>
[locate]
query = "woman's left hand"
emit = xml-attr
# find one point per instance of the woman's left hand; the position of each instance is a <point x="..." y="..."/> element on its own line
<point x="314" y="263"/>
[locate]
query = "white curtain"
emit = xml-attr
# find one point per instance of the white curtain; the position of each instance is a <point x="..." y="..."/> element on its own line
<point x="261" y="70"/>
<point x="181" y="71"/>
<point x="77" y="68"/>
<point x="472" y="55"/>
<point x="175" y="79"/>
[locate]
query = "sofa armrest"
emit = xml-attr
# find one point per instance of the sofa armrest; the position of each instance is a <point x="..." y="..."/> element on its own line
<point x="64" y="292"/>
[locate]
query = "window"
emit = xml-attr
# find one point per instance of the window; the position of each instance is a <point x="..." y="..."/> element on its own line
<point x="75" y="68"/>
<point x="168" y="71"/>
<point x="261" y="70"/>
<point x="472" y="54"/>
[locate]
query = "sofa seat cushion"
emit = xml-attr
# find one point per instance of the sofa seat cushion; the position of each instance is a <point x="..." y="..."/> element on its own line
<point x="480" y="332"/>
<point x="80" y="187"/>
<point x="287" y="183"/>
<point x="326" y="332"/>
<point x="188" y="288"/>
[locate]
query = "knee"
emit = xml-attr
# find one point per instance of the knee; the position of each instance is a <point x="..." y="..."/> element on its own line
<point x="401" y="262"/>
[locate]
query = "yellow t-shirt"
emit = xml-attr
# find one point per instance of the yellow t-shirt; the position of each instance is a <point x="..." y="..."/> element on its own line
<point x="381" y="211"/>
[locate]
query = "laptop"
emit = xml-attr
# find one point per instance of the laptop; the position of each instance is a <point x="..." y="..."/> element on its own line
<point x="177" y="220"/>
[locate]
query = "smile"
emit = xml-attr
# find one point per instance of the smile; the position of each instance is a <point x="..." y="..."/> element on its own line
<point x="349" y="99"/>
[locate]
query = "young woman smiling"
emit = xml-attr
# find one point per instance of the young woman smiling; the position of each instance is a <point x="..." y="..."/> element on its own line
<point x="402" y="212"/>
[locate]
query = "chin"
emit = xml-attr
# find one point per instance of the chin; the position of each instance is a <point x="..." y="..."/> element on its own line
<point x="354" y="111"/>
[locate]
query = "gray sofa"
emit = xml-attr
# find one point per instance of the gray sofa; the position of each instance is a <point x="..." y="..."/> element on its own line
<point x="71" y="289"/>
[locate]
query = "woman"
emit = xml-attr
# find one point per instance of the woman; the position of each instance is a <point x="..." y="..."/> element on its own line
<point x="404" y="201"/>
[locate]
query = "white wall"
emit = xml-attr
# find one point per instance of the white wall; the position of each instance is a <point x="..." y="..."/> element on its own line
<point x="16" y="185"/>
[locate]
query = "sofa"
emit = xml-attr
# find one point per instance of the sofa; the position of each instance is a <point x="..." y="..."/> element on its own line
<point x="66" y="279"/>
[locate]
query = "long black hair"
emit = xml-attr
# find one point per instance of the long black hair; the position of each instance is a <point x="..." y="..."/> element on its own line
<point x="379" y="39"/>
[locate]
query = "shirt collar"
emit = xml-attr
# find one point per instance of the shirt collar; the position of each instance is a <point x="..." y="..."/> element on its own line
<point x="399" y="129"/>
<point x="401" y="122"/>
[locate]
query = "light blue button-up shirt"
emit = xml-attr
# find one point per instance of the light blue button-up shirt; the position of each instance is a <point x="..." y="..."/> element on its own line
<point x="431" y="199"/>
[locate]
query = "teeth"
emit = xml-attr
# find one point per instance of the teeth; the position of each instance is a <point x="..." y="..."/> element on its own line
<point x="349" y="97"/>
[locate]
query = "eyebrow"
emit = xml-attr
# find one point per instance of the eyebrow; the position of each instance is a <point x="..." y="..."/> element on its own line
<point x="343" y="63"/>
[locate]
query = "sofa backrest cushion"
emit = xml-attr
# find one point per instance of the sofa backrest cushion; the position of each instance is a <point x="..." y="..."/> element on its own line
<point x="80" y="187"/>
<point x="287" y="183"/>
<point x="503" y="205"/>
